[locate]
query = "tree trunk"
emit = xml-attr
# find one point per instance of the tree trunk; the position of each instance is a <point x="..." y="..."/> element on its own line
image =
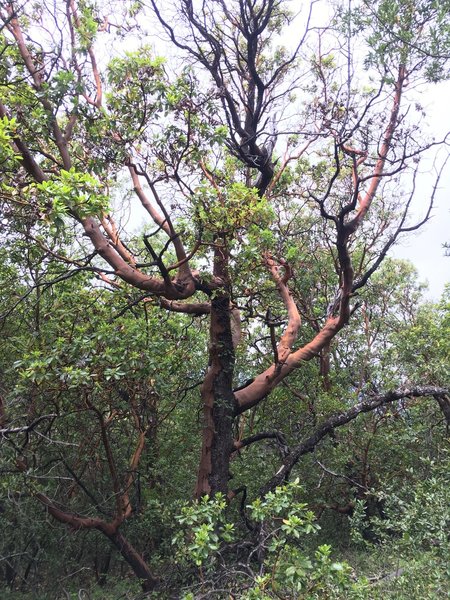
<point x="444" y="404"/>
<point x="135" y="560"/>
<point x="218" y="403"/>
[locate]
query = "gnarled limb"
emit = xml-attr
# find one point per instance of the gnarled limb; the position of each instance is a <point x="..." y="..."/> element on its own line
<point x="111" y="530"/>
<point x="123" y="506"/>
<point x="265" y="382"/>
<point x="289" y="336"/>
<point x="263" y="435"/>
<point x="444" y="404"/>
<point x="25" y="428"/>
<point x="340" y="419"/>
<point x="106" y="242"/>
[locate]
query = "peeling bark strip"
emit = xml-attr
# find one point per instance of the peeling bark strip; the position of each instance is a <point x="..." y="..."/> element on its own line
<point x="343" y="418"/>
<point x="218" y="403"/>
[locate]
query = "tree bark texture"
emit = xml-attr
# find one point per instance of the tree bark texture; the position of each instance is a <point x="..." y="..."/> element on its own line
<point x="218" y="403"/>
<point x="135" y="560"/>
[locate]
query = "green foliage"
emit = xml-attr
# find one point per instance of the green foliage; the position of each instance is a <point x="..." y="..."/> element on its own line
<point x="119" y="374"/>
<point x="137" y="84"/>
<point x="86" y="25"/>
<point x="231" y="209"/>
<point x="8" y="157"/>
<point x="288" y="570"/>
<point x="416" y="33"/>
<point x="72" y="192"/>
<point x="424" y="346"/>
<point x="203" y="531"/>
<point x="291" y="572"/>
<point x="413" y="536"/>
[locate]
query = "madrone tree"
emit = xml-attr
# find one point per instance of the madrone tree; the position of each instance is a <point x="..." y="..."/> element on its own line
<point x="273" y="158"/>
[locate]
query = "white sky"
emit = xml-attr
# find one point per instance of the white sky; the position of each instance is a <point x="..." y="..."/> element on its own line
<point x="425" y="247"/>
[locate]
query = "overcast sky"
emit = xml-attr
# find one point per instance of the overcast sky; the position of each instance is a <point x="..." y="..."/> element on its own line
<point x="425" y="247"/>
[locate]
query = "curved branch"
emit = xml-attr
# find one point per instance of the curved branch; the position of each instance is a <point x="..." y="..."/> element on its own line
<point x="129" y="553"/>
<point x="73" y="520"/>
<point x="388" y="135"/>
<point x="265" y="382"/>
<point x="294" y="321"/>
<point x="264" y="435"/>
<point x="189" y="308"/>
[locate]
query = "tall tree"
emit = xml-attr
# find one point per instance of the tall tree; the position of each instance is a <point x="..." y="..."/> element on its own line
<point x="277" y="178"/>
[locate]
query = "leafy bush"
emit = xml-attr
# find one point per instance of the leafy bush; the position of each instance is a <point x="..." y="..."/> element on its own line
<point x="278" y="565"/>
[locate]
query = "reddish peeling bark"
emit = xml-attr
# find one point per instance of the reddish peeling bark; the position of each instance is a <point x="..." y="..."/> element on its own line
<point x="186" y="283"/>
<point x="105" y="242"/>
<point x="378" y="171"/>
<point x="265" y="382"/>
<point x="135" y="560"/>
<point x="176" y="290"/>
<point x="123" y="506"/>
